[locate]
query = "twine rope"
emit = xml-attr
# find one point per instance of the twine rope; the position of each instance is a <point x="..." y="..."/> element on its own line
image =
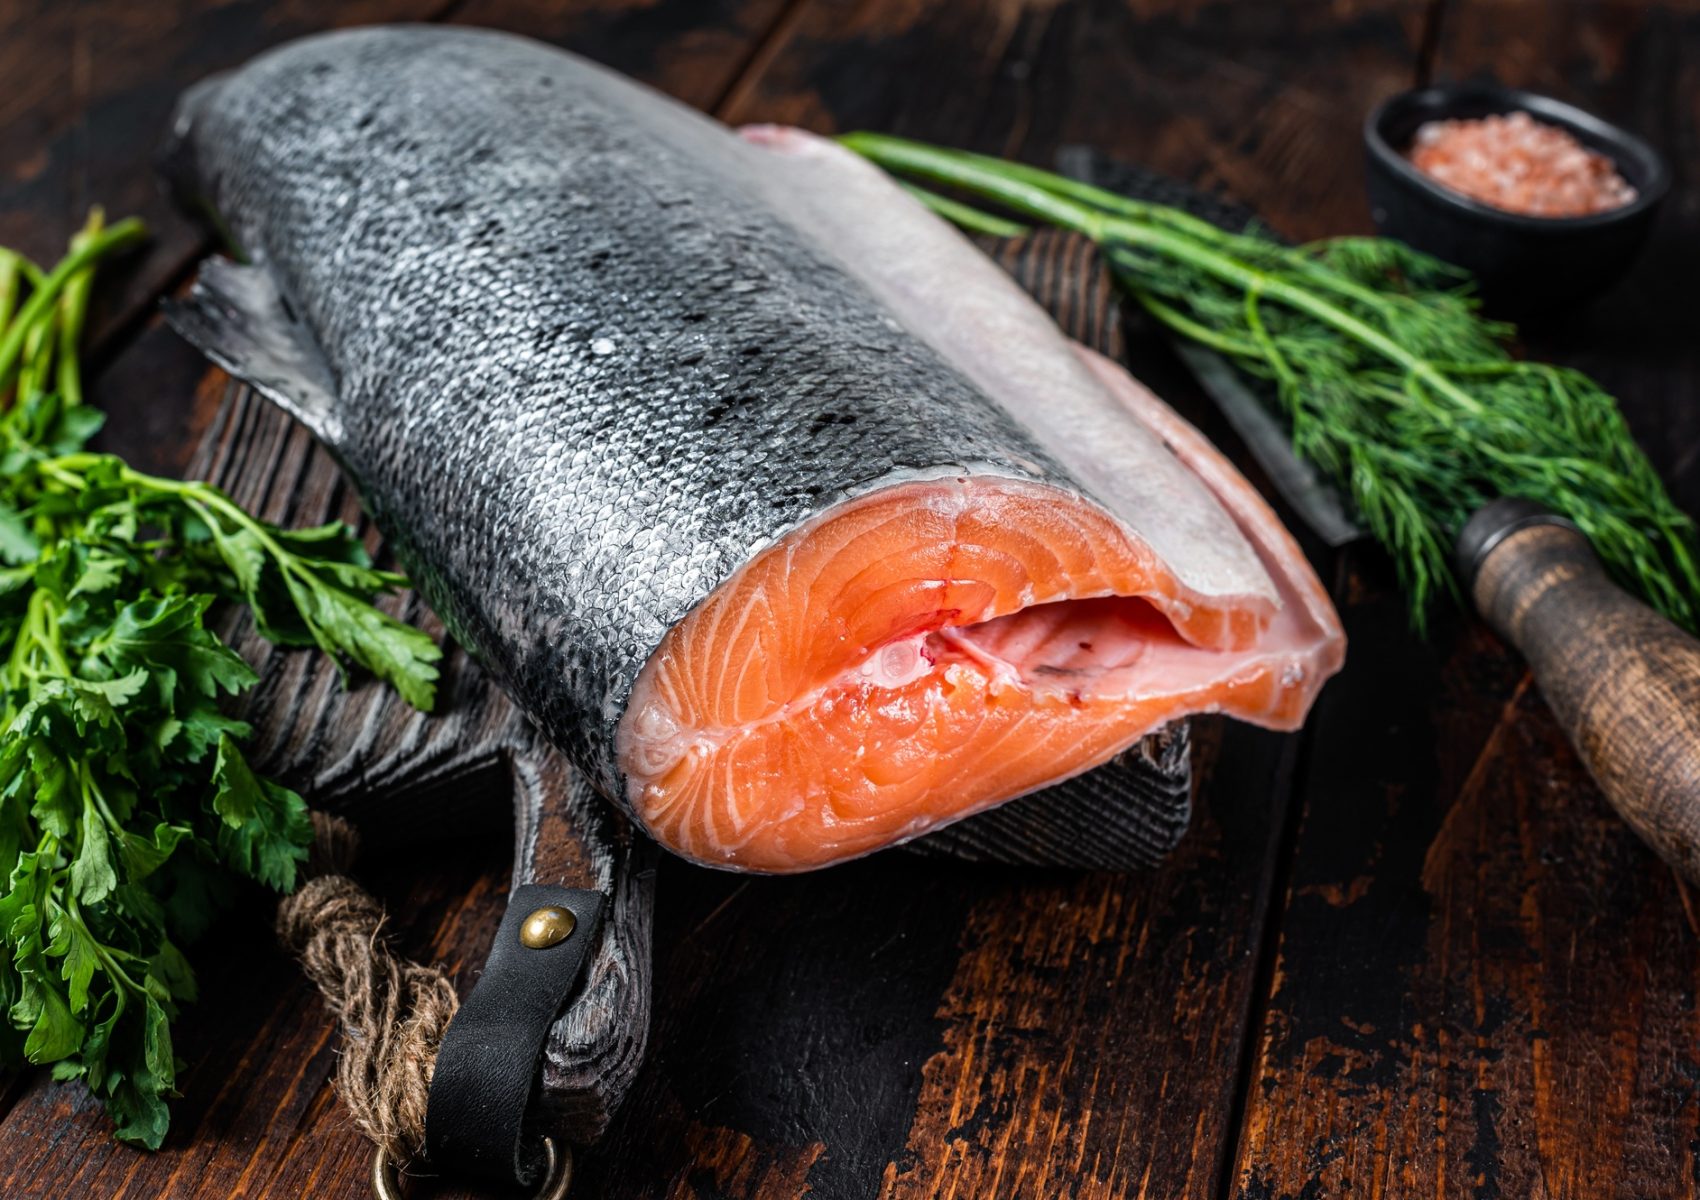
<point x="393" y="1012"/>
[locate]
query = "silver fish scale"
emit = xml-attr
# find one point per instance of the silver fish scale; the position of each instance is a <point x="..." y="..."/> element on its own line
<point x="581" y="368"/>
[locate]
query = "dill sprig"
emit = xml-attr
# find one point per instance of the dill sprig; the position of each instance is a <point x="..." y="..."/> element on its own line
<point x="1390" y="380"/>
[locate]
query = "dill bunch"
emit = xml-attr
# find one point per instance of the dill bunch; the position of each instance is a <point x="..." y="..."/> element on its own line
<point x="1390" y="380"/>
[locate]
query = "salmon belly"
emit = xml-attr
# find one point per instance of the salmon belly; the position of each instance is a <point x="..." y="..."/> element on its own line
<point x="937" y="647"/>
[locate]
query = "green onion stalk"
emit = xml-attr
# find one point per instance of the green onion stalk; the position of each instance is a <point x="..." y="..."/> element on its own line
<point x="1390" y="380"/>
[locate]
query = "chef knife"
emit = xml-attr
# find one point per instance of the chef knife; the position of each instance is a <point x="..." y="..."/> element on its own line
<point x="1623" y="681"/>
<point x="1252" y="416"/>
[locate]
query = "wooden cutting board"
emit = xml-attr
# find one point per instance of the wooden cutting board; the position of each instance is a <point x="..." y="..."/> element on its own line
<point x="409" y="780"/>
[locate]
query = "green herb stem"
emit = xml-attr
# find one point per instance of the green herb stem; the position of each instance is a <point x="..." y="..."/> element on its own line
<point x="11" y="283"/>
<point x="1013" y="186"/>
<point x="119" y="764"/>
<point x="73" y="311"/>
<point x="1390" y="380"/>
<point x="963" y="215"/>
<point x="46" y="293"/>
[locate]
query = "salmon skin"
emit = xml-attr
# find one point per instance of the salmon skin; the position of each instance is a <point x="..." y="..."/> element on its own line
<point x="791" y="519"/>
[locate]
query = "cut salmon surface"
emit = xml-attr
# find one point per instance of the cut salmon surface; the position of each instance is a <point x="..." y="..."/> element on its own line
<point x="942" y="643"/>
<point x="937" y="647"/>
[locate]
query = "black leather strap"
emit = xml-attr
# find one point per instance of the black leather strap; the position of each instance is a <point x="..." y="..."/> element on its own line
<point x="487" y="1065"/>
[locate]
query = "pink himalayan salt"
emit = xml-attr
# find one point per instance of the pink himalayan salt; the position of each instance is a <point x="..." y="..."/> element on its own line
<point x="1521" y="165"/>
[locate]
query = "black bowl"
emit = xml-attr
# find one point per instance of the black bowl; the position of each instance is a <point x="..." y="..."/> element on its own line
<point x="1524" y="265"/>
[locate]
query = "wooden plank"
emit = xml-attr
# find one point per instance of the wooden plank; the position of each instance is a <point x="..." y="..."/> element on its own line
<point x="1256" y="100"/>
<point x="909" y="1027"/>
<point x="696" y="52"/>
<point x="93" y="89"/>
<point x="258" y="1117"/>
<point x="914" y="1030"/>
<point x="1486" y="985"/>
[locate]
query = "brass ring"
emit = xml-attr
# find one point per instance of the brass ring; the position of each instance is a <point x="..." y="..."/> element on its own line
<point x="386" y="1181"/>
<point x="557" y="1173"/>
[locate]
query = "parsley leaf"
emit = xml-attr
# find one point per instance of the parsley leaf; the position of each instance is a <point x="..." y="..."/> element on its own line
<point x="265" y="831"/>
<point x="128" y="812"/>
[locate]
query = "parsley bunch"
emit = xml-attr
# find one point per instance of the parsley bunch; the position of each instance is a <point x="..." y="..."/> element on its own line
<point x="127" y="810"/>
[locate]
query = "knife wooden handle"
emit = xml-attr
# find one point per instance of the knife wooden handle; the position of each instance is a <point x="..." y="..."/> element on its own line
<point x="1623" y="680"/>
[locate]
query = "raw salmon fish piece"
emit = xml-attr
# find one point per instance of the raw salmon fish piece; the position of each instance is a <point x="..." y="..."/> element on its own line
<point x="927" y="652"/>
<point x="938" y="647"/>
<point x="793" y="521"/>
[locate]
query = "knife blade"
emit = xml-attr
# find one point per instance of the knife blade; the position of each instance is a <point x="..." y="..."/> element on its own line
<point x="1248" y="403"/>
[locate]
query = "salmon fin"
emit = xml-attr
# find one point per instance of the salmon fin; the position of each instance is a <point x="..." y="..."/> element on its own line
<point x="1126" y="815"/>
<point x="236" y="315"/>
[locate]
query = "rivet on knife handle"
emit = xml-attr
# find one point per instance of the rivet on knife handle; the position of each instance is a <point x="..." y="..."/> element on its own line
<point x="1622" y="680"/>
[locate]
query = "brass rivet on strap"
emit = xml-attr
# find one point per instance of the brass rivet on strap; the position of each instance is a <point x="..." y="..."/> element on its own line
<point x="549" y="926"/>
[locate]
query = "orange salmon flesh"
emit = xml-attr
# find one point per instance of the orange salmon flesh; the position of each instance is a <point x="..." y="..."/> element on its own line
<point x="936" y="647"/>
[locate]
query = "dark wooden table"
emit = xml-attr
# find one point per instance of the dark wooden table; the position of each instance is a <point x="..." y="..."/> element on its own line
<point x="1409" y="953"/>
